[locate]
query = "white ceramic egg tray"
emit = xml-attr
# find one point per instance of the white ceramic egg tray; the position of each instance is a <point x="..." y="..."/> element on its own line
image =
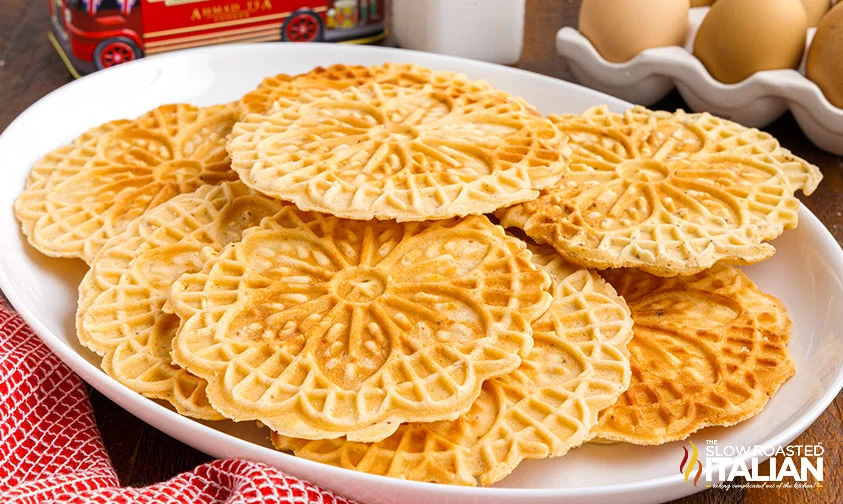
<point x="756" y="101"/>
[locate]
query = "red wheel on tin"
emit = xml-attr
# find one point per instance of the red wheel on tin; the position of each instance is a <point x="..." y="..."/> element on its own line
<point x="302" y="27"/>
<point x="115" y="51"/>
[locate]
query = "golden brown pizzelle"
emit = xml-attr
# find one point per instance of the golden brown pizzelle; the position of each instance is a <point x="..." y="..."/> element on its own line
<point x="578" y="366"/>
<point x="121" y="298"/>
<point x="709" y="349"/>
<point x="321" y="327"/>
<point x="279" y="90"/>
<point x="314" y="257"/>
<point x="668" y="193"/>
<point x="385" y="151"/>
<point x="33" y="207"/>
<point x="79" y="196"/>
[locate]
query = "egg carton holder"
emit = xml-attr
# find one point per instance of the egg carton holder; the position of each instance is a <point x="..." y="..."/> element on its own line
<point x="756" y="101"/>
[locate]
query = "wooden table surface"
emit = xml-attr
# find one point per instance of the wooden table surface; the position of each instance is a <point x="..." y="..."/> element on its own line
<point x="29" y="69"/>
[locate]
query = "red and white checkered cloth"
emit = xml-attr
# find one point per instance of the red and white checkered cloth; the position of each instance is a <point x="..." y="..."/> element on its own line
<point x="51" y="450"/>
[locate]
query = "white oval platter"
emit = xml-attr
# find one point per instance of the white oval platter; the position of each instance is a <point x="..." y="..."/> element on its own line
<point x="806" y="273"/>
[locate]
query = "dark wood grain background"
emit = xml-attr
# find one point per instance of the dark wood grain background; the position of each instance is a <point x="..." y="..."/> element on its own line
<point x="29" y="69"/>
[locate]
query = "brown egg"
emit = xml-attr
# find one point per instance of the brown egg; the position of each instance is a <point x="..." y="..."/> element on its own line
<point x="620" y="29"/>
<point x="815" y="10"/>
<point x="701" y="3"/>
<point x="825" y="58"/>
<point x="740" y="37"/>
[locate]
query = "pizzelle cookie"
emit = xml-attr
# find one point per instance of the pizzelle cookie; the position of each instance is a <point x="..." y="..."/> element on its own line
<point x="381" y="151"/>
<point x="578" y="366"/>
<point x="670" y="194"/>
<point x="121" y="297"/>
<point x="81" y="195"/>
<point x="33" y="207"/>
<point x="321" y="327"/>
<point x="280" y="90"/>
<point x="709" y="349"/>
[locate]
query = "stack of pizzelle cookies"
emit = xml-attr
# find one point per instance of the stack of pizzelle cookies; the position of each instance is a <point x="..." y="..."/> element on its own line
<point x="409" y="273"/>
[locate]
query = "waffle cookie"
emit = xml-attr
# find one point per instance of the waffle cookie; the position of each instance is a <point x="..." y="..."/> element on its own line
<point x="321" y="327"/>
<point x="79" y="196"/>
<point x="121" y="297"/>
<point x="671" y="194"/>
<point x="577" y="367"/>
<point x="279" y="90"/>
<point x="33" y="207"/>
<point x="383" y="151"/>
<point x="709" y="349"/>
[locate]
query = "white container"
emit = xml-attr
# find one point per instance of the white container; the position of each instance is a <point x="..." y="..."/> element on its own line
<point x="489" y="30"/>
